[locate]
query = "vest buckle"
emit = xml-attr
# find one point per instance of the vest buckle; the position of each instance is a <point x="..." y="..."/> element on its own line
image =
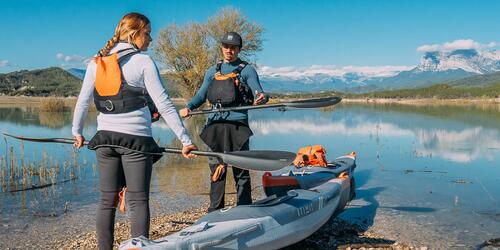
<point x="108" y="105"/>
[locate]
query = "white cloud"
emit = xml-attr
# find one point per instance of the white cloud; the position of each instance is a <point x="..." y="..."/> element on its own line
<point x="429" y="48"/>
<point x="4" y="63"/>
<point x="456" y="45"/>
<point x="459" y="146"/>
<point x="326" y="127"/>
<point x="73" y="58"/>
<point x="492" y="44"/>
<point x="331" y="70"/>
<point x="461" y="44"/>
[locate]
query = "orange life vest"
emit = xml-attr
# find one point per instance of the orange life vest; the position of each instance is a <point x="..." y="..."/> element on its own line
<point x="311" y="156"/>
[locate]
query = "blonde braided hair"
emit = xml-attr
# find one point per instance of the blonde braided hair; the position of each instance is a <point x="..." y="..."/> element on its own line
<point x="128" y="27"/>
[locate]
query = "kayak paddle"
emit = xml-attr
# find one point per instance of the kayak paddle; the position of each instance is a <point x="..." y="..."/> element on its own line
<point x="307" y="103"/>
<point x="259" y="160"/>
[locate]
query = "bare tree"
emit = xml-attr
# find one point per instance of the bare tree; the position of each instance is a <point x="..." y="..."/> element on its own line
<point x="188" y="51"/>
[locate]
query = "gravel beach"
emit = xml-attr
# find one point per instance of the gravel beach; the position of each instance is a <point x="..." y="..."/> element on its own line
<point x="336" y="234"/>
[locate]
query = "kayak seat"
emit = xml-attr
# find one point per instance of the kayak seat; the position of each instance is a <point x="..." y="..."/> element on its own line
<point x="278" y="185"/>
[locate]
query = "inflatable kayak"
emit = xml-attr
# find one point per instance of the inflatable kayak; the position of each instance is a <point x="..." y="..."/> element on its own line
<point x="299" y="201"/>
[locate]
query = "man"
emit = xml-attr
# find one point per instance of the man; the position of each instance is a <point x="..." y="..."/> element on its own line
<point x="229" y="83"/>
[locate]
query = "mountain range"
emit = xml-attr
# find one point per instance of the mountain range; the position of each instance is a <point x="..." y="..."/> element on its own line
<point x="461" y="68"/>
<point x="434" y="67"/>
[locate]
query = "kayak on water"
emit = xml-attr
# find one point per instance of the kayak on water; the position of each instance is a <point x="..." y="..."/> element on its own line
<point x="299" y="201"/>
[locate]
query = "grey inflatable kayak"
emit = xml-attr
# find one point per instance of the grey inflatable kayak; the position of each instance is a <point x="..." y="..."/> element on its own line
<point x="299" y="202"/>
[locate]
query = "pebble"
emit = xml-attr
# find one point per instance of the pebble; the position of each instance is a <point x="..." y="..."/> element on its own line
<point x="335" y="234"/>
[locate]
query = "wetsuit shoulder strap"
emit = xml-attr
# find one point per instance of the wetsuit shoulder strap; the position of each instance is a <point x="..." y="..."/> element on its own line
<point x="240" y="67"/>
<point x="218" y="66"/>
<point x="126" y="53"/>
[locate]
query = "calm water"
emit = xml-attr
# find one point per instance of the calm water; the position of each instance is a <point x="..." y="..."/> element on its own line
<point x="426" y="175"/>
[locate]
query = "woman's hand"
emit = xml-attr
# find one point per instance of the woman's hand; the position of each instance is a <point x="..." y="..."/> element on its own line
<point x="184" y="112"/>
<point x="79" y="139"/>
<point x="261" y="98"/>
<point x="186" y="151"/>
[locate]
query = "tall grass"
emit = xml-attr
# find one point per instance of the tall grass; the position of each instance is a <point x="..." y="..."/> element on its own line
<point x="19" y="174"/>
<point x="52" y="104"/>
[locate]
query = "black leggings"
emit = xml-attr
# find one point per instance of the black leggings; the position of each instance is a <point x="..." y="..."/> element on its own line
<point x="118" y="168"/>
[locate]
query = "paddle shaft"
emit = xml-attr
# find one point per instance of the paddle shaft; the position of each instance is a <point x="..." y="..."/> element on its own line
<point x="72" y="141"/>
<point x="307" y="103"/>
<point x="208" y="111"/>
<point x="260" y="160"/>
<point x="195" y="152"/>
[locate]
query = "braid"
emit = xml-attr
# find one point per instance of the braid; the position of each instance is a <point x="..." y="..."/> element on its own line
<point x="109" y="45"/>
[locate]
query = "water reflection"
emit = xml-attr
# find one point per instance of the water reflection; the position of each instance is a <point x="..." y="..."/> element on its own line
<point x="460" y="146"/>
<point x="435" y="136"/>
<point x="25" y="116"/>
<point x="52" y="119"/>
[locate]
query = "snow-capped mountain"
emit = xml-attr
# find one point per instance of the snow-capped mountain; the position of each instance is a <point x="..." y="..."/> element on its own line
<point x="323" y="78"/>
<point x="469" y="60"/>
<point x="434" y="67"/>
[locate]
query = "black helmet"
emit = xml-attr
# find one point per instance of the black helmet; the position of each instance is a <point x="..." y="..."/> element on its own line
<point x="232" y="38"/>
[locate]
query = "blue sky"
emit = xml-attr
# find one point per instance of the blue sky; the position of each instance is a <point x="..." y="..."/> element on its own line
<point x="297" y="33"/>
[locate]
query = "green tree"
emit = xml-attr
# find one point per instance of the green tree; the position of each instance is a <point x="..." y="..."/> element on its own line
<point x="188" y="51"/>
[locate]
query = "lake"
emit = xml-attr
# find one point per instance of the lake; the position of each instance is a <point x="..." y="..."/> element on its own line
<point x="426" y="175"/>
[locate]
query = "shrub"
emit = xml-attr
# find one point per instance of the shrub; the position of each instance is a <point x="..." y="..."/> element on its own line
<point x="52" y="104"/>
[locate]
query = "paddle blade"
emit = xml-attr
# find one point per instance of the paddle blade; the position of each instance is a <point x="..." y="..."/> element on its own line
<point x="54" y="140"/>
<point x="259" y="160"/>
<point x="314" y="103"/>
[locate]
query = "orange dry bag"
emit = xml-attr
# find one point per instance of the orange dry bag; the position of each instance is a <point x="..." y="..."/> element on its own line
<point x="108" y="75"/>
<point x="311" y="156"/>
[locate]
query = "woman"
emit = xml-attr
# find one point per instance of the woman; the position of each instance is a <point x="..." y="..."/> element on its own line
<point x="123" y="142"/>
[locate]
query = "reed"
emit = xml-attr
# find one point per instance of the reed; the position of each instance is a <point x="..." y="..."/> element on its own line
<point x="3" y="167"/>
<point x="74" y="164"/>
<point x="52" y="104"/>
<point x="94" y="169"/>
<point x="65" y="169"/>
<point x="12" y="172"/>
<point x="53" y="179"/>
<point x="24" y="174"/>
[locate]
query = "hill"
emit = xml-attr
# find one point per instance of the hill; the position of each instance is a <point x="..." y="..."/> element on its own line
<point x="440" y="91"/>
<point x="41" y="82"/>
<point x="477" y="80"/>
<point x="477" y="86"/>
<point x="52" y="81"/>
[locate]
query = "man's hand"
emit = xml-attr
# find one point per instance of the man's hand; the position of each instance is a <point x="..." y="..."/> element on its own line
<point x="79" y="141"/>
<point x="184" y="112"/>
<point x="186" y="151"/>
<point x="260" y="98"/>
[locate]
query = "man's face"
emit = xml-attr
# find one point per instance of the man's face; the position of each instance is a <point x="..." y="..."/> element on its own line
<point x="230" y="52"/>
